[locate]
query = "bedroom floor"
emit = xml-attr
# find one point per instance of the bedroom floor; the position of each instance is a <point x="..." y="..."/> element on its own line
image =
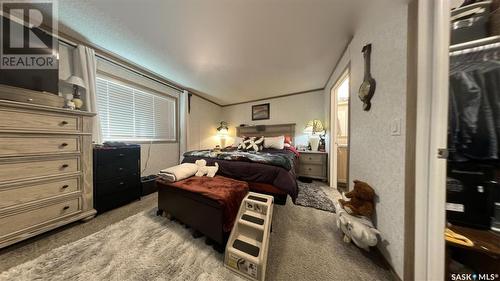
<point x="305" y="244"/>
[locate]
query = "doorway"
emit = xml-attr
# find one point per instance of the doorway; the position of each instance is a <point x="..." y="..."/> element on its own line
<point x="339" y="120"/>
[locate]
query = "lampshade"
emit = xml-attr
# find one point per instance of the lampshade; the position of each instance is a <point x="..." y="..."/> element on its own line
<point x="75" y="80"/>
<point x="222" y="129"/>
<point x="314" y="126"/>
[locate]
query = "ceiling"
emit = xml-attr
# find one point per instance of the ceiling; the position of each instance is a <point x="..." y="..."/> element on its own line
<point x="230" y="50"/>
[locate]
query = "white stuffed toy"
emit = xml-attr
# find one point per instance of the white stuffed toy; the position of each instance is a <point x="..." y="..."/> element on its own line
<point x="203" y="169"/>
<point x="359" y="230"/>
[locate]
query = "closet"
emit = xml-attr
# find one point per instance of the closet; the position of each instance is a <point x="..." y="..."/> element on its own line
<point x="473" y="165"/>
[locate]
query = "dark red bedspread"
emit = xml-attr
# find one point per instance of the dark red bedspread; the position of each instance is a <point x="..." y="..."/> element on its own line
<point x="227" y="192"/>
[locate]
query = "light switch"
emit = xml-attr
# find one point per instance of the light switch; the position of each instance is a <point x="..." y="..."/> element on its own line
<point x="396" y="127"/>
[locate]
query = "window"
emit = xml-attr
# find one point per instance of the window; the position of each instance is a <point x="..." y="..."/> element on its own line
<point x="130" y="114"/>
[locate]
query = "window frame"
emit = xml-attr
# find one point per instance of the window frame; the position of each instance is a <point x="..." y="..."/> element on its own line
<point x="131" y="84"/>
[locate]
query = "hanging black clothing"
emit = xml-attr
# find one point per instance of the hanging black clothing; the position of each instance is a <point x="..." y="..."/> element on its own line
<point x="474" y="115"/>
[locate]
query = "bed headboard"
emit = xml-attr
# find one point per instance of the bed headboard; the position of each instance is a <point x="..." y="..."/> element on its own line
<point x="267" y="130"/>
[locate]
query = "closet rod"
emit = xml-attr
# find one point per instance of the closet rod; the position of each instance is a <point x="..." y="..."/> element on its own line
<point x="475" y="43"/>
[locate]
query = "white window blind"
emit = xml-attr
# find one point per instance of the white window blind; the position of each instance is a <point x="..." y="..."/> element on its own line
<point x="128" y="113"/>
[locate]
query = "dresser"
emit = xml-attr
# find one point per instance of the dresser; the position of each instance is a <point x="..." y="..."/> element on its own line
<point x="45" y="169"/>
<point x="117" y="176"/>
<point x="313" y="164"/>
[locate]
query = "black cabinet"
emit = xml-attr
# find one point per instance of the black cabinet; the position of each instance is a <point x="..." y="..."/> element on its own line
<point x="117" y="174"/>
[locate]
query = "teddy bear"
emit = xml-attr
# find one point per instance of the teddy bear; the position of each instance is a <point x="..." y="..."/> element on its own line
<point x="361" y="200"/>
<point x="203" y="169"/>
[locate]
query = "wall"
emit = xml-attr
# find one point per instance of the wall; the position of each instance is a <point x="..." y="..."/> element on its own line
<point x="298" y="109"/>
<point x="375" y="155"/>
<point x="204" y="119"/>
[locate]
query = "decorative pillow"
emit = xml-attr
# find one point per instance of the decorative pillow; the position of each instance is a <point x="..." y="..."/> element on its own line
<point x="237" y="141"/>
<point x="274" y="142"/>
<point x="251" y="144"/>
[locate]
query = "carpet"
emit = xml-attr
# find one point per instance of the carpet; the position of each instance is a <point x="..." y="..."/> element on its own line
<point x="305" y="245"/>
<point x="141" y="247"/>
<point x="312" y="195"/>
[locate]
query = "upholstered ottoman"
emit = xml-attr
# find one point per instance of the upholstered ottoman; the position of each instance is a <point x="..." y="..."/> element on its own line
<point x="208" y="205"/>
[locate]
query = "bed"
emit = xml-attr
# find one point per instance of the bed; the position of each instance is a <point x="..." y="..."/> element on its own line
<point x="271" y="171"/>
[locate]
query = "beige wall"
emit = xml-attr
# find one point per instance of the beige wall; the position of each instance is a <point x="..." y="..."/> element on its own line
<point x="376" y="156"/>
<point x="298" y="109"/>
<point x="203" y="122"/>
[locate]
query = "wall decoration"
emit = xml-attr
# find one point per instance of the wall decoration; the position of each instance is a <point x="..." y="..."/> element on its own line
<point x="261" y="112"/>
<point x="367" y="88"/>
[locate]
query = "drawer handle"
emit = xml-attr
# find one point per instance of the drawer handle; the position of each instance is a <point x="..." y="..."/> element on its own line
<point x="310" y="158"/>
<point x="64" y="144"/>
<point x="120" y="169"/>
<point x="122" y="183"/>
<point x="65" y="208"/>
<point x="65" y="166"/>
<point x="121" y="155"/>
<point x="65" y="186"/>
<point x="64" y="123"/>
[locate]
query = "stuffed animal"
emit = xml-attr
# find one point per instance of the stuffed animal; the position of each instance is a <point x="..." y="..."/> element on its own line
<point x="212" y="170"/>
<point x="203" y="169"/>
<point x="361" y="200"/>
<point x="358" y="230"/>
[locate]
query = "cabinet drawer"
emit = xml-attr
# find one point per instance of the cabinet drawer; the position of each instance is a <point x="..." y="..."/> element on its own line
<point x="14" y="195"/>
<point x="114" y="171"/>
<point x="311" y="170"/>
<point x="17" y="222"/>
<point x="125" y="157"/>
<point x="34" y="121"/>
<point x="33" y="145"/>
<point x="118" y="186"/>
<point x="19" y="170"/>
<point x="312" y="158"/>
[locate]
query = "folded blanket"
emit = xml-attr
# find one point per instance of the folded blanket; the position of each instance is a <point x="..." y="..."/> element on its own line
<point x="179" y="172"/>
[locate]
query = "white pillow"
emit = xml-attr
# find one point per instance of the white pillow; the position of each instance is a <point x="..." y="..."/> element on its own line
<point x="274" y="142"/>
<point x="237" y="141"/>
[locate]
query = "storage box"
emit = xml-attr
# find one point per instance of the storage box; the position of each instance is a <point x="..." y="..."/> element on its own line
<point x="148" y="185"/>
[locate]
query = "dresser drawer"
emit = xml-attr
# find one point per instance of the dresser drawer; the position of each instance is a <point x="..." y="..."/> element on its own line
<point x="19" y="194"/>
<point x="117" y="186"/>
<point x="312" y="158"/>
<point x="32" y="218"/>
<point x="33" y="145"/>
<point x="311" y="170"/>
<point x="20" y="170"/>
<point x="35" y="121"/>
<point x="127" y="157"/>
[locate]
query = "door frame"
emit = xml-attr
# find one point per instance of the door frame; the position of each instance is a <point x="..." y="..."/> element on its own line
<point x="431" y="135"/>
<point x="346" y="73"/>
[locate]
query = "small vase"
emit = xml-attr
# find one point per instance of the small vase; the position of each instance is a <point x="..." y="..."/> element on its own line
<point x="314" y="141"/>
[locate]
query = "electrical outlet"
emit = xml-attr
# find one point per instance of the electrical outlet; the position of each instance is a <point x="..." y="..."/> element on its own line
<point x="396" y="127"/>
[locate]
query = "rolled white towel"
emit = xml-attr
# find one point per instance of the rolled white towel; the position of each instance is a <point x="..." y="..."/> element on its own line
<point x="180" y="172"/>
<point x="167" y="177"/>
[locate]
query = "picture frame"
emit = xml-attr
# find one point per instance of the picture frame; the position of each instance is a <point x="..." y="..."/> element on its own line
<point x="261" y="112"/>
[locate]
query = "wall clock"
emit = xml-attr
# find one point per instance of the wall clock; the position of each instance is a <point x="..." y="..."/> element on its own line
<point x="367" y="88"/>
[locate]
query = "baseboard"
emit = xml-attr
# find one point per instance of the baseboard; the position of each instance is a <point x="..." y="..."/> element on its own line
<point x="386" y="263"/>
